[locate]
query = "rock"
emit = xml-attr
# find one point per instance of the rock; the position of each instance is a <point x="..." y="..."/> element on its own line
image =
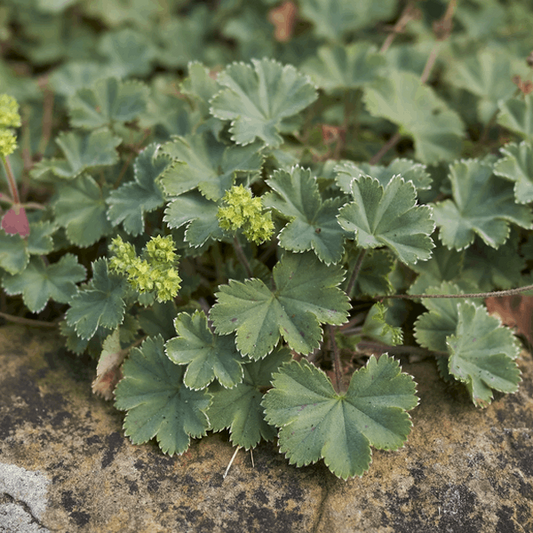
<point x="462" y="470"/>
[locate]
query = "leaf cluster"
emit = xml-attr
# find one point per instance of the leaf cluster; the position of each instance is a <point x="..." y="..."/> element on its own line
<point x="298" y="172"/>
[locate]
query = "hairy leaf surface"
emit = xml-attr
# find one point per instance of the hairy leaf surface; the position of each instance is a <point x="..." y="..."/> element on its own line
<point x="158" y="403"/>
<point x="207" y="355"/>
<point x="388" y="216"/>
<point x="306" y="294"/>
<point x="239" y="409"/>
<point x="258" y="98"/>
<point x="517" y="166"/>
<point x="318" y="423"/>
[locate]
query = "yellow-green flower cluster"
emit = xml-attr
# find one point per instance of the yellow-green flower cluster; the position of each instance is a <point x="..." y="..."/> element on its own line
<point x="155" y="272"/>
<point x="9" y="118"/>
<point x="241" y="211"/>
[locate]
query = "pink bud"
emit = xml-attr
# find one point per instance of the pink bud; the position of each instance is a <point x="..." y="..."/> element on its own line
<point x="15" y="221"/>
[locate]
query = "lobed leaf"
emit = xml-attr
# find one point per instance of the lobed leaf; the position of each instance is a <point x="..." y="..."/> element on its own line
<point x="517" y="166"/>
<point x="306" y="294"/>
<point x="107" y="101"/>
<point x="313" y="224"/>
<point x="401" y="98"/>
<point x="130" y="201"/>
<point x="482" y="205"/>
<point x="101" y="303"/>
<point x="318" y="423"/>
<point x="239" y="409"/>
<point x="39" y="282"/>
<point x="517" y="115"/>
<point x="157" y="402"/>
<point x="482" y="354"/>
<point x="207" y="355"/>
<point x="388" y="216"/>
<point x="200" y="161"/>
<point x="82" y="151"/>
<point x="256" y="99"/>
<point x="81" y="208"/>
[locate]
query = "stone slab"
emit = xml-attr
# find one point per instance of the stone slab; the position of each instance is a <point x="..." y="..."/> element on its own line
<point x="463" y="470"/>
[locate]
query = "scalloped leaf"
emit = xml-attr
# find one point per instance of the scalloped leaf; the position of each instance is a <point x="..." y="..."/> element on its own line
<point x="258" y="98"/>
<point x="409" y="170"/>
<point x="345" y="67"/>
<point x="482" y="354"/>
<point x="517" y="166"/>
<point x="100" y="303"/>
<point x="14" y="254"/>
<point x="200" y="215"/>
<point x="239" y="409"/>
<point x="157" y="402"/>
<point x="388" y="216"/>
<point x="82" y="151"/>
<point x="313" y="224"/>
<point x="483" y="205"/>
<point x="377" y="328"/>
<point x="401" y="98"/>
<point x="131" y="200"/>
<point x="517" y="115"/>
<point x="207" y="355"/>
<point x="39" y="282"/>
<point x="107" y="101"/>
<point x="200" y="161"/>
<point x="318" y="423"/>
<point x="81" y="208"/>
<point x="305" y="296"/>
<point x="334" y="18"/>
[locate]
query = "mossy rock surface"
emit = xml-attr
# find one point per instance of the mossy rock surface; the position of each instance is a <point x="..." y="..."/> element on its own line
<point x="65" y="464"/>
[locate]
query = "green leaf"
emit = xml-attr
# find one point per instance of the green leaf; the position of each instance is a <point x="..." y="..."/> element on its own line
<point x="40" y="240"/>
<point x="482" y="205"/>
<point x="82" y="151"/>
<point x="318" y="423"/>
<point x="433" y="328"/>
<point x="517" y="115"/>
<point x="377" y="328"/>
<point x="99" y="304"/>
<point x="200" y="161"/>
<point x="81" y="208"/>
<point x="14" y="255"/>
<point x="517" y="166"/>
<point x="107" y="101"/>
<point x="482" y="353"/>
<point x="128" y="52"/>
<point x="158" y="403"/>
<point x="200" y="215"/>
<point x="305" y="296"/>
<point x="444" y="265"/>
<point x="39" y="282"/>
<point x="158" y="319"/>
<point x="199" y="86"/>
<point x="488" y="75"/>
<point x="313" y="224"/>
<point x="388" y="216"/>
<point x="487" y="269"/>
<point x="409" y="170"/>
<point x="74" y="75"/>
<point x="373" y="278"/>
<point x="345" y="67"/>
<point x="130" y="201"/>
<point x="334" y="18"/>
<point x="404" y="100"/>
<point x="208" y="356"/>
<point x="240" y="409"/>
<point x="257" y="99"/>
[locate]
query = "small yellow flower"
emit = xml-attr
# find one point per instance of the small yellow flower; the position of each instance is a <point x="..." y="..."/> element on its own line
<point x="8" y="142"/>
<point x="9" y="112"/>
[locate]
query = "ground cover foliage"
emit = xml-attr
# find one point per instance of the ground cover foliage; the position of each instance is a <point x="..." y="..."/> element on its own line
<point x="244" y="211"/>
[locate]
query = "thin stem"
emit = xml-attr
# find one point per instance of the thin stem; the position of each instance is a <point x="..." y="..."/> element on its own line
<point x="391" y="143"/>
<point x="12" y="184"/>
<point x="481" y="295"/>
<point x="355" y="272"/>
<point x="407" y="15"/>
<point x="399" y="350"/>
<point x="336" y="359"/>
<point x="48" y="108"/>
<point x="242" y="257"/>
<point x="5" y="198"/>
<point x="429" y="63"/>
<point x="28" y="321"/>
